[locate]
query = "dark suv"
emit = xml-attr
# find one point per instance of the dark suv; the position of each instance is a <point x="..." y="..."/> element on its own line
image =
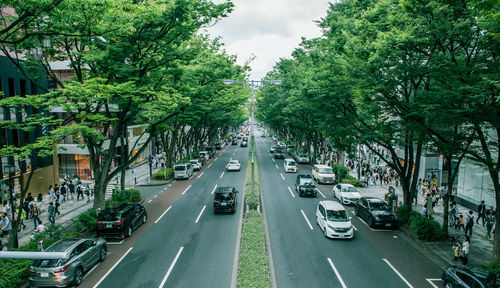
<point x="120" y="221"/>
<point x="304" y="185"/>
<point x="225" y="199"/>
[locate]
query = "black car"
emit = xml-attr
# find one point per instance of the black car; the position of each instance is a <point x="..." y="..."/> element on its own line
<point x="279" y="155"/>
<point x="376" y="212"/>
<point x="120" y="221"/>
<point x="218" y="145"/>
<point x="225" y="199"/>
<point x="304" y="185"/>
<point x="234" y="142"/>
<point x="243" y="143"/>
<point x="464" y="277"/>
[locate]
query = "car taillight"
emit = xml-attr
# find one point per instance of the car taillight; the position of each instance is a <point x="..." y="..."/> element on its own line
<point x="63" y="269"/>
<point x="118" y="223"/>
<point x="100" y="223"/>
<point x="238" y="165"/>
<point x="228" y="165"/>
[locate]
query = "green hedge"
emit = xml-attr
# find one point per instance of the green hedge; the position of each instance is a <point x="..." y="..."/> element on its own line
<point x="341" y="172"/>
<point x="425" y="228"/>
<point x="493" y="267"/>
<point x="86" y="221"/>
<point x="164" y="174"/>
<point x="354" y="182"/>
<point x="403" y="214"/>
<point x="125" y="196"/>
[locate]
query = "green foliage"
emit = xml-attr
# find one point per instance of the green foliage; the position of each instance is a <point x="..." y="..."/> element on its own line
<point x="493" y="267"/>
<point x="425" y="228"/>
<point x="125" y="196"/>
<point x="403" y="214"/>
<point x="164" y="174"/>
<point x="86" y="221"/>
<point x="354" y="182"/>
<point x="340" y="171"/>
<point x="252" y="197"/>
<point x="253" y="268"/>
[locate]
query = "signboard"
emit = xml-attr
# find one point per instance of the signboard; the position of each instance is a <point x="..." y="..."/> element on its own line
<point x="440" y="162"/>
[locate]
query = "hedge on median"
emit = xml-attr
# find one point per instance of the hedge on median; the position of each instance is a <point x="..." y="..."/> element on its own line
<point x="425" y="228"/>
<point x="164" y="174"/>
<point x="125" y="196"/>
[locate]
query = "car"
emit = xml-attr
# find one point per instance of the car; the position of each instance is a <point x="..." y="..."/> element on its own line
<point x="289" y="165"/>
<point x="196" y="164"/>
<point x="281" y="144"/>
<point x="225" y="199"/>
<point x="238" y="137"/>
<point x="243" y="143"/>
<point x="323" y="174"/>
<point x="375" y="212"/>
<point x="333" y="220"/>
<point x="183" y="171"/>
<point x="465" y="277"/>
<point x="301" y="157"/>
<point x="290" y="149"/>
<point x="77" y="257"/>
<point x="211" y="151"/>
<point x="120" y="221"/>
<point x="304" y="185"/>
<point x="262" y="135"/>
<point x="346" y="193"/>
<point x="279" y="155"/>
<point x="272" y="149"/>
<point x="219" y="145"/>
<point x="234" y="142"/>
<point x="233" y="165"/>
<point x="205" y="155"/>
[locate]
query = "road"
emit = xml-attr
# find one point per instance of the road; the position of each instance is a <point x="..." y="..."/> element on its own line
<point x="183" y="244"/>
<point x="303" y="257"/>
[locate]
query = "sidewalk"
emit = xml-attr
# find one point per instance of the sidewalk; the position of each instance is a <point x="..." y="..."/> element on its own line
<point x="481" y="248"/>
<point x="72" y="208"/>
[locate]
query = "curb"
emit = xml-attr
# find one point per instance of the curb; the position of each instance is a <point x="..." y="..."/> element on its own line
<point x="157" y="183"/>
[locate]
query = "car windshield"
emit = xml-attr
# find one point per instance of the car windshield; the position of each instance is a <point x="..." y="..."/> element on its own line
<point x="48" y="263"/>
<point x="379" y="206"/>
<point x="349" y="189"/>
<point x="223" y="196"/>
<point x="193" y="162"/>
<point x="326" y="170"/>
<point x="306" y="181"/>
<point x="109" y="216"/>
<point x="180" y="168"/>
<point x="303" y="155"/>
<point x="233" y="162"/>
<point x="337" y="216"/>
<point x="291" y="163"/>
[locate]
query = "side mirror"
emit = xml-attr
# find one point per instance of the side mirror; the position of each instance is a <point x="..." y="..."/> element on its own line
<point x="94" y="243"/>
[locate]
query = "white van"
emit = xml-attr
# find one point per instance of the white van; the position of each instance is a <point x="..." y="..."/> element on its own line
<point x="205" y="154"/>
<point x="183" y="171"/>
<point x="323" y="174"/>
<point x="290" y="165"/>
<point x="333" y="219"/>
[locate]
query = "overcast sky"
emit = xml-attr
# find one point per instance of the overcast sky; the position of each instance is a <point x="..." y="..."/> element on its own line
<point x="268" y="29"/>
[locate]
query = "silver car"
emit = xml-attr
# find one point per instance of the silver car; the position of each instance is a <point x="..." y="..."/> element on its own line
<point x="78" y="257"/>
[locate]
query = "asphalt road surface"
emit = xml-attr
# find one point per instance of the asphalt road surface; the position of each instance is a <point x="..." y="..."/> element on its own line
<point x="303" y="257"/>
<point x="183" y="244"/>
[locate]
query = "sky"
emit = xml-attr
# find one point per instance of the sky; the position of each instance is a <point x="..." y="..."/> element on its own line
<point x="268" y="29"/>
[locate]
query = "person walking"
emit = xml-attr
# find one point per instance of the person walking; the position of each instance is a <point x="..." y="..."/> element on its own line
<point x="52" y="212"/>
<point x="51" y="193"/>
<point x="469" y="223"/>
<point x="79" y="192"/>
<point x="460" y="223"/>
<point x="465" y="250"/>
<point x="490" y="221"/>
<point x="57" y="192"/>
<point x="453" y="214"/>
<point x="428" y="205"/>
<point x="36" y="214"/>
<point x="5" y="227"/>
<point x="63" y="192"/>
<point x="481" y="211"/>
<point x="71" y="187"/>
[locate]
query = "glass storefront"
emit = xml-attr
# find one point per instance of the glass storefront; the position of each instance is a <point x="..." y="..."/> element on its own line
<point x="474" y="183"/>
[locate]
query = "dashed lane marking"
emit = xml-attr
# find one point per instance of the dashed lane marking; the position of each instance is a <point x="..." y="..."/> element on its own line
<point x="276" y="166"/>
<point x="199" y="215"/>
<point x="337" y="273"/>
<point x="320" y="192"/>
<point x="289" y="189"/>
<point x="397" y="272"/>
<point x="200" y="175"/>
<point x="170" y="268"/>
<point x="214" y="189"/>
<point x="151" y="200"/>
<point x="307" y="220"/>
<point x="221" y="175"/>
<point x="114" y="266"/>
<point x="186" y="190"/>
<point x="282" y="176"/>
<point x="162" y="214"/>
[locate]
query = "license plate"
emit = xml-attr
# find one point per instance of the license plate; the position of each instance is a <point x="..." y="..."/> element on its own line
<point x="44" y="274"/>
<point x="289" y="170"/>
<point x="387" y="225"/>
<point x="109" y="225"/>
<point x="223" y="204"/>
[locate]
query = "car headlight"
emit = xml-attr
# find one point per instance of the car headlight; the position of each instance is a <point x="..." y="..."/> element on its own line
<point x="331" y="227"/>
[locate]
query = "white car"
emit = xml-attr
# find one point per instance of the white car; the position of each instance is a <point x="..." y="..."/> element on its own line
<point x="333" y="219"/>
<point x="196" y="164"/>
<point x="233" y="165"/>
<point x="346" y="193"/>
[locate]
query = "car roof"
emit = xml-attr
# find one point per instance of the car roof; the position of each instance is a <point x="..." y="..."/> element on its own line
<point x="374" y="199"/>
<point x="289" y="159"/>
<point x="63" y="245"/>
<point x="118" y="207"/>
<point x="194" y="160"/>
<point x="346" y="185"/>
<point x="234" y="160"/>
<point x="304" y="176"/>
<point x="226" y="189"/>
<point x="332" y="205"/>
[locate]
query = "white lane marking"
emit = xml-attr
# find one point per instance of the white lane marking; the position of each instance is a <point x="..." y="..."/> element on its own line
<point x="186" y="190"/>
<point x="216" y="159"/>
<point x="93" y="268"/>
<point x="395" y="237"/>
<point x="221" y="175"/>
<point x="320" y="193"/>
<point x="214" y="189"/>
<point x="163" y="214"/>
<point x="368" y="226"/>
<point x="116" y="264"/>
<point x="197" y="219"/>
<point x="337" y="273"/>
<point x="200" y="175"/>
<point x="276" y="166"/>
<point x="115" y="243"/>
<point x="282" y="176"/>
<point x="209" y="165"/>
<point x="397" y="272"/>
<point x="151" y="200"/>
<point x="291" y="191"/>
<point x="155" y="196"/>
<point x="307" y="220"/>
<point x="233" y="153"/>
<point x="432" y="280"/>
<point x="272" y="159"/>
<point x="171" y="267"/>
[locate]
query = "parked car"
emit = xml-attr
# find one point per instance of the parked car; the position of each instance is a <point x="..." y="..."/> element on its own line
<point x="301" y="157"/>
<point x="120" y="221"/>
<point x="196" y="164"/>
<point x="211" y="151"/>
<point x="225" y="199"/>
<point x="323" y="174"/>
<point x="346" y="193"/>
<point x="290" y="149"/>
<point x="243" y="143"/>
<point x="234" y="142"/>
<point x="333" y="219"/>
<point x="205" y="155"/>
<point x="304" y="185"/>
<point x="289" y="165"/>
<point x="375" y="212"/>
<point x="279" y="155"/>
<point x="272" y="149"/>
<point x="233" y="165"/>
<point x="465" y="277"/>
<point x="183" y="171"/>
<point x="281" y="144"/>
<point x="78" y="257"/>
<point x="219" y="145"/>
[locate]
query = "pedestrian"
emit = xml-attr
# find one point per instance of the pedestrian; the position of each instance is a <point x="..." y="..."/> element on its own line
<point x="40" y="228"/>
<point x="465" y="250"/>
<point x="453" y="213"/>
<point x="63" y="192"/>
<point x="26" y="206"/>
<point x="39" y="198"/>
<point x="71" y="187"/>
<point x="51" y="193"/>
<point x="20" y="218"/>
<point x="52" y="212"/>
<point x="481" y="211"/>
<point x="469" y="223"/>
<point x="428" y="205"/>
<point x="87" y="192"/>
<point x="79" y="192"/>
<point x="36" y="215"/>
<point x="415" y="195"/>
<point x="5" y="226"/>
<point x="460" y="223"/>
<point x="490" y="221"/>
<point x="56" y="207"/>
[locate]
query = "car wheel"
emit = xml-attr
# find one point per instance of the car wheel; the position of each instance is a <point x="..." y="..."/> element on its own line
<point x="356" y="212"/>
<point x="144" y="218"/>
<point x="78" y="276"/>
<point x="129" y="231"/>
<point x="325" y="233"/>
<point x="371" y="222"/>
<point x="102" y="254"/>
<point x="448" y="285"/>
